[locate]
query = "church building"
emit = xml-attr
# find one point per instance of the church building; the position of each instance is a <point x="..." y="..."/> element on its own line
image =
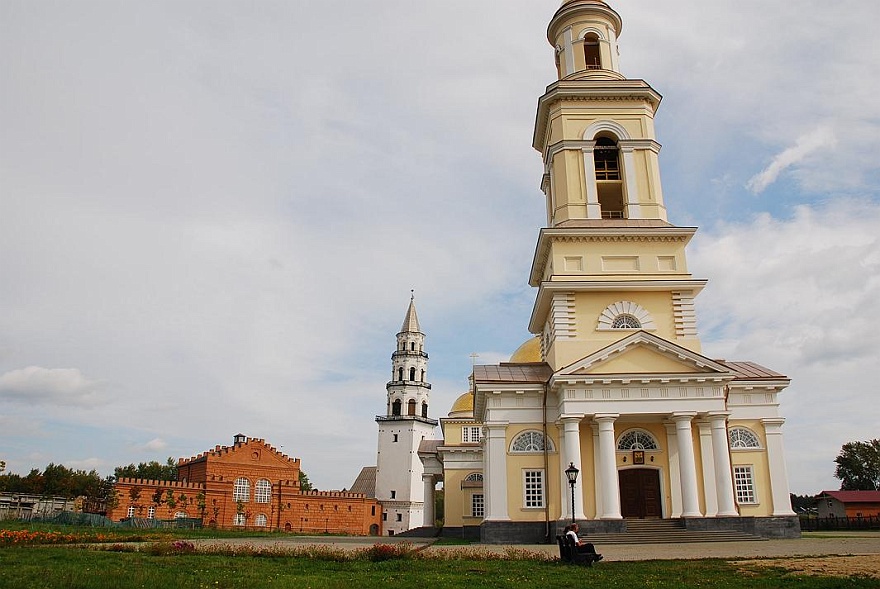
<point x="614" y="386"/>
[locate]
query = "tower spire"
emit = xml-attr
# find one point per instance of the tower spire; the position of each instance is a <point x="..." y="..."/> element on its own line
<point x="411" y="321"/>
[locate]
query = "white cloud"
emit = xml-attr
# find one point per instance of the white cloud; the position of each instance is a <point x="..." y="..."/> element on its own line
<point x="57" y="386"/>
<point x="806" y="145"/>
<point x="227" y="224"/>
<point x="799" y="296"/>
<point x="154" y="445"/>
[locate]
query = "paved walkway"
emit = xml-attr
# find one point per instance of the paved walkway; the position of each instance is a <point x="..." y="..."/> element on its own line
<point x="824" y="544"/>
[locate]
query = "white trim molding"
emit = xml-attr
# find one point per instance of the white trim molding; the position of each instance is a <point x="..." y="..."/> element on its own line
<point x="615" y="310"/>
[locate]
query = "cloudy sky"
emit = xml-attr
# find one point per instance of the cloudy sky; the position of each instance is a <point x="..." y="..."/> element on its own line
<point x="212" y="212"/>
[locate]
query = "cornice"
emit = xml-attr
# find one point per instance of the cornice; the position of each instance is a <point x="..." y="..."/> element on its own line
<point x="548" y="235"/>
<point x="588" y="146"/>
<point x="590" y="90"/>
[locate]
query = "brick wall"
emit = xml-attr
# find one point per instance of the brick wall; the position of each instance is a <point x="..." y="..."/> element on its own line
<point x="206" y="489"/>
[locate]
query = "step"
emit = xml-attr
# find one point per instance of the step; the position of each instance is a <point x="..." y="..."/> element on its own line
<point x="669" y="531"/>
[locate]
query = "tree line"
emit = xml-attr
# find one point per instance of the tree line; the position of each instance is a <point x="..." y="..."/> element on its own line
<point x="56" y="480"/>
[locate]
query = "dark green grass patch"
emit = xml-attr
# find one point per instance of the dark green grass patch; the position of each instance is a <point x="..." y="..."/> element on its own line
<point x="73" y="568"/>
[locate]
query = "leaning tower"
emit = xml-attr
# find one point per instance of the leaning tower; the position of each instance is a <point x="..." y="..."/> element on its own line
<point x="399" y="485"/>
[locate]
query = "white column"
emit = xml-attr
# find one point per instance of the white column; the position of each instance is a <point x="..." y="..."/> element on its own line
<point x="597" y="470"/>
<point x="594" y="209"/>
<point x="633" y="203"/>
<point x="723" y="476"/>
<point x="428" y="481"/>
<point x="776" y="461"/>
<point x="495" y="479"/>
<point x="687" y="461"/>
<point x="674" y="469"/>
<point x="573" y="455"/>
<point x="569" y="51"/>
<point x="551" y="210"/>
<point x="707" y="456"/>
<point x="608" y="467"/>
<point x="564" y="493"/>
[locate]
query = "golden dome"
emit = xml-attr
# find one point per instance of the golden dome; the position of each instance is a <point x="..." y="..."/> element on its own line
<point x="463" y="406"/>
<point x="530" y="351"/>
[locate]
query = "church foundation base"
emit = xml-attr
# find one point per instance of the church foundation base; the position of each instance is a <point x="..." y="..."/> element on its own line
<point x="787" y="527"/>
<point x="471" y="533"/>
<point x="514" y="532"/>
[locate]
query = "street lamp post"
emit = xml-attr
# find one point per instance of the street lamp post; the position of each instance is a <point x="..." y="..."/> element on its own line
<point x="572" y="474"/>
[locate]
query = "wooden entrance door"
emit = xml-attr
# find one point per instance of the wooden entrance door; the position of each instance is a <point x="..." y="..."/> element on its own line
<point x="640" y="493"/>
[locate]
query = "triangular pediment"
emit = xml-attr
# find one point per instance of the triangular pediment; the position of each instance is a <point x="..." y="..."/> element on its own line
<point x="643" y="353"/>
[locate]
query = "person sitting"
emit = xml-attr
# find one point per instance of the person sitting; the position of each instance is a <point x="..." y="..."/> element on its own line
<point x="585" y="548"/>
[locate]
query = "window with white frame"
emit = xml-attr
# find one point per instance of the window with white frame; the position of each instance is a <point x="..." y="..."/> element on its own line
<point x="263" y="491"/>
<point x="151" y="512"/>
<point x="261" y="520"/>
<point x="744" y="483"/>
<point x="533" y="488"/>
<point x="242" y="490"/>
<point x="130" y="512"/>
<point x="470" y="434"/>
<point x="636" y="439"/>
<point x="180" y="515"/>
<point x="239" y="520"/>
<point x="742" y="438"/>
<point x="478" y="505"/>
<point x="474" y="477"/>
<point x="530" y="441"/>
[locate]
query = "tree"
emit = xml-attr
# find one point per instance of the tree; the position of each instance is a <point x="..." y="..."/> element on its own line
<point x="2" y="466"/>
<point x="135" y="495"/>
<point x="304" y="483"/>
<point x="858" y="466"/>
<point x="803" y="503"/>
<point x="152" y="471"/>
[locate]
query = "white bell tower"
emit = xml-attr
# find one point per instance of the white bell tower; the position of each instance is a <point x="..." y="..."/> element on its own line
<point x="399" y="485"/>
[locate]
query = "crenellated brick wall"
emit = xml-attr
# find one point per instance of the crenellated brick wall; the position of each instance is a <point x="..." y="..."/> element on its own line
<point x="206" y="485"/>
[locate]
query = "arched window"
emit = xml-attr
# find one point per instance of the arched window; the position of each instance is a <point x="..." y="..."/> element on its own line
<point x="636" y="439"/>
<point x="424" y="409"/>
<point x="423" y="376"/>
<point x="241" y="491"/>
<point x="411" y="407"/>
<point x="625" y="321"/>
<point x="742" y="438"/>
<point x="606" y="156"/>
<point x="474" y="477"/>
<point x="412" y="346"/>
<point x="263" y="491"/>
<point x="592" y="57"/>
<point x="261" y="520"/>
<point x="412" y="373"/>
<point x="395" y="407"/>
<point x="530" y="441"/>
<point x="400" y="373"/>
<point x="625" y="315"/>
<point x="180" y="515"/>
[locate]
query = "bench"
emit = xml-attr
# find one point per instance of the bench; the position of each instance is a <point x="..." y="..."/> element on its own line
<point x="568" y="552"/>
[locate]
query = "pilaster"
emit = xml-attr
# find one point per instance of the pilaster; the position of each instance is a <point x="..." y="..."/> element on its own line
<point x="776" y="461"/>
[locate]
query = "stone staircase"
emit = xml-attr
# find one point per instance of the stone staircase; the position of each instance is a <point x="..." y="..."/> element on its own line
<point x="667" y="531"/>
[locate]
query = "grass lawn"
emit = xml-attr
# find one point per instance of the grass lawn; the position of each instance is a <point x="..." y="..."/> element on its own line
<point x="48" y="567"/>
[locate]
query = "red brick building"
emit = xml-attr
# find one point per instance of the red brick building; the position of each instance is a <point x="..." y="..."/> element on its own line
<point x="249" y="485"/>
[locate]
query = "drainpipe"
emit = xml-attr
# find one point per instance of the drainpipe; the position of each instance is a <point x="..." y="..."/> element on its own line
<point x="547" y="534"/>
